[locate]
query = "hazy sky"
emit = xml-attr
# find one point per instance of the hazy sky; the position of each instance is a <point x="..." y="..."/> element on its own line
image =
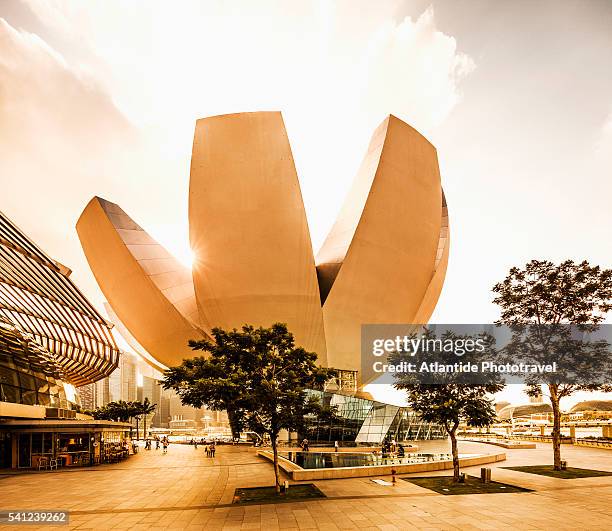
<point x="100" y="98"/>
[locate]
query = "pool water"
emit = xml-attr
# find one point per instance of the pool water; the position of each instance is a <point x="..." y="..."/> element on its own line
<point x="349" y="459"/>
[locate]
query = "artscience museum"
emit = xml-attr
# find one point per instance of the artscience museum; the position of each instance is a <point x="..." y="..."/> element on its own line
<point x="253" y="258"/>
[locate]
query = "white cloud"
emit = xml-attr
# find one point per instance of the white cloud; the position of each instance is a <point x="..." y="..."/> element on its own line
<point x="335" y="69"/>
<point x="62" y="141"/>
<point x="415" y="70"/>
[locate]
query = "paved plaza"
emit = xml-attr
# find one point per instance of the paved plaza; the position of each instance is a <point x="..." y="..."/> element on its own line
<point x="186" y="490"/>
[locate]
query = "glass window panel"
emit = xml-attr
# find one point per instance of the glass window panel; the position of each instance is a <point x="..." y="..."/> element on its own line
<point x="9" y="393"/>
<point x="28" y="397"/>
<point x="37" y="443"/>
<point x="44" y="399"/>
<point x="27" y="381"/>
<point x="55" y="401"/>
<point x="42" y="386"/>
<point x="47" y="443"/>
<point x="8" y="376"/>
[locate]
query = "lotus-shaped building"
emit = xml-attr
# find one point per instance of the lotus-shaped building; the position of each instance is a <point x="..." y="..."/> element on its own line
<point x="384" y="260"/>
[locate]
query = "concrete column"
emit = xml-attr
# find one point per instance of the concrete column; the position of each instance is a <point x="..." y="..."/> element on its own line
<point x="542" y="430"/>
<point x="573" y="432"/>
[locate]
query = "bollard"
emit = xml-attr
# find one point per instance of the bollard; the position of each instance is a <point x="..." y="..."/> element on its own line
<point x="485" y="475"/>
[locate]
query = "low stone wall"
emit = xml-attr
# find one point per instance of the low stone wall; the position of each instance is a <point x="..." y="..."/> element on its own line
<point x="510" y="445"/>
<point x="593" y="443"/>
<point x="298" y="473"/>
<point x="541" y="438"/>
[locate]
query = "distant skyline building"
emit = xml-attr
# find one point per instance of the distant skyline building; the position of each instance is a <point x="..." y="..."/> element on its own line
<point x="123" y="382"/>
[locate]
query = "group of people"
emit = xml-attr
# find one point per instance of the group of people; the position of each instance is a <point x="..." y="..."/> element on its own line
<point x="393" y="448"/>
<point x="208" y="448"/>
<point x="163" y="441"/>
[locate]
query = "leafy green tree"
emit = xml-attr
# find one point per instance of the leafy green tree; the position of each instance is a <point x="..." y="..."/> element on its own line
<point x="257" y="374"/>
<point x="449" y="398"/>
<point x="122" y="411"/>
<point x="146" y="408"/>
<point x="544" y="304"/>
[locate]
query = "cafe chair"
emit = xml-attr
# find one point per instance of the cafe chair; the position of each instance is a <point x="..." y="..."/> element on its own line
<point x="43" y="463"/>
<point x="53" y="463"/>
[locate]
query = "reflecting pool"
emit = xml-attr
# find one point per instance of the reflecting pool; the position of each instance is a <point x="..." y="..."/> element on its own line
<point x="350" y="459"/>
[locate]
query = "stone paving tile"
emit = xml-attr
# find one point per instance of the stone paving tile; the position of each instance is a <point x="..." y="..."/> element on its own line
<point x="182" y="490"/>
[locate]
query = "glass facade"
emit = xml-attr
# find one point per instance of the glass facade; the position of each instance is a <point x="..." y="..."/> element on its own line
<point x="28" y="373"/>
<point x="350" y="419"/>
<point x="71" y="445"/>
<point x="38" y="297"/>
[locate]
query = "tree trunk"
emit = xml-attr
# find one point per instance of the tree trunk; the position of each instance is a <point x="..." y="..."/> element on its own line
<point x="556" y="432"/>
<point x="455" y="452"/>
<point x="144" y="425"/>
<point x="276" y="470"/>
<point x="137" y="430"/>
<point x="233" y="422"/>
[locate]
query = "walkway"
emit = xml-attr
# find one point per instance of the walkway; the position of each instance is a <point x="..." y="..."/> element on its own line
<point x="186" y="490"/>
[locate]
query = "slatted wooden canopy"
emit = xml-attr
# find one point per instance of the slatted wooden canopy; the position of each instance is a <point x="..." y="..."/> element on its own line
<point x="37" y="296"/>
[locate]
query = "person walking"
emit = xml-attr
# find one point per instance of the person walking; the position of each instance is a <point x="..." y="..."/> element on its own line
<point x="157" y="443"/>
<point x="336" y="446"/>
<point x="165" y="446"/>
<point x="195" y="444"/>
<point x="212" y="449"/>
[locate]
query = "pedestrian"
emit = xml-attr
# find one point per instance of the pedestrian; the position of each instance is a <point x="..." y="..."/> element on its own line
<point x="207" y="449"/>
<point x="212" y="449"/>
<point x="335" y="446"/>
<point x="195" y="444"/>
<point x="305" y="445"/>
<point x="157" y="443"/>
<point x="165" y="446"/>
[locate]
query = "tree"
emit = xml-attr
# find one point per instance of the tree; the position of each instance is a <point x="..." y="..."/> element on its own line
<point x="257" y="374"/>
<point x="449" y="398"/>
<point x="146" y="408"/>
<point x="135" y="412"/>
<point x="122" y="411"/>
<point x="544" y="305"/>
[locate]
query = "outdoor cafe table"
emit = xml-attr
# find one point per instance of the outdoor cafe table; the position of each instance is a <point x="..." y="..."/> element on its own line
<point x="68" y="458"/>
